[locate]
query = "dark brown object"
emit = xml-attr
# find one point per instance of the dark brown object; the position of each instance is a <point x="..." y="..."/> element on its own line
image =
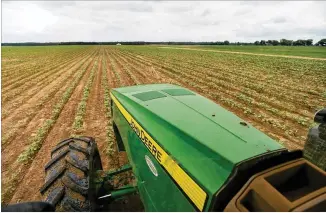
<point x="294" y="186"/>
<point x="315" y="146"/>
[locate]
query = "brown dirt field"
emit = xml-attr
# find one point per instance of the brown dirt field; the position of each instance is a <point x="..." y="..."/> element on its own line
<point x="27" y="111"/>
<point x="95" y="114"/>
<point x="116" y="159"/>
<point x="139" y="76"/>
<point x="288" y="141"/>
<point x="112" y="78"/>
<point x="11" y="151"/>
<point x="113" y="83"/>
<point x="46" y="97"/>
<point x="247" y="53"/>
<point x="34" y="86"/>
<point x="150" y="71"/>
<point x="276" y="134"/>
<point x="126" y="80"/>
<point x="33" y="73"/>
<point x="61" y="130"/>
<point x="120" y="158"/>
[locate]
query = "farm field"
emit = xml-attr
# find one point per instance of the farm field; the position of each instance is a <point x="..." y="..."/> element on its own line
<point x="53" y="92"/>
<point x="303" y="51"/>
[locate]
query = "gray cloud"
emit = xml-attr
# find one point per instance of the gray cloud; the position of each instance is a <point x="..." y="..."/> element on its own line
<point x="242" y="11"/>
<point x="278" y="20"/>
<point x="206" y="12"/>
<point x="161" y="21"/>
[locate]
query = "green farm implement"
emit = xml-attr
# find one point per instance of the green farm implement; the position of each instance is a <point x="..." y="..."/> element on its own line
<point x="186" y="153"/>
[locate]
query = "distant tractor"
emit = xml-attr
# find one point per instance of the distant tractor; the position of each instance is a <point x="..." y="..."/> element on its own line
<point x="186" y="154"/>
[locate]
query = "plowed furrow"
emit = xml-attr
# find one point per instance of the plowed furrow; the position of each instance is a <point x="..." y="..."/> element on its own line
<point x="125" y="78"/>
<point x="25" y="114"/>
<point x="58" y="129"/>
<point x="28" y="86"/>
<point x="61" y="130"/>
<point x="95" y="117"/>
<point x="40" y="91"/>
<point x="35" y="72"/>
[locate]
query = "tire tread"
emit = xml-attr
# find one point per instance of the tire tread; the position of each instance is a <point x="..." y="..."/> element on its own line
<point x="68" y="174"/>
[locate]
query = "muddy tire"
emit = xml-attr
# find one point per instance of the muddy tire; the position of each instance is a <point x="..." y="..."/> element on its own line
<point x="322" y="131"/>
<point x="70" y="174"/>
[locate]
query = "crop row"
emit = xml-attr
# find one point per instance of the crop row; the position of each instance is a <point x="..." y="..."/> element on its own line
<point x="249" y="67"/>
<point x="107" y="104"/>
<point x="143" y="75"/>
<point x="251" y="97"/>
<point x="201" y="85"/>
<point x="38" y="82"/>
<point x="18" y="97"/>
<point x="32" y="61"/>
<point x="241" y="79"/>
<point x="81" y="109"/>
<point x="245" y="94"/>
<point x="36" y="141"/>
<point x="222" y="97"/>
<point x="145" y="69"/>
<point x="113" y="67"/>
<point x="30" y="112"/>
<point x="126" y="70"/>
<point x="257" y="83"/>
<point x="41" y="65"/>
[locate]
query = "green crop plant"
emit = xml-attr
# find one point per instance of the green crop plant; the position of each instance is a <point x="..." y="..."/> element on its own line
<point x="134" y="69"/>
<point x="48" y="79"/>
<point x="127" y="71"/>
<point x="107" y="105"/>
<point x="56" y="65"/>
<point x="264" y="106"/>
<point x="36" y="141"/>
<point x="114" y="70"/>
<point x="33" y="110"/>
<point x="81" y="109"/>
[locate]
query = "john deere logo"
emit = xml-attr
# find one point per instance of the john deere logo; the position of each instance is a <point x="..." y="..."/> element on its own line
<point x="151" y="165"/>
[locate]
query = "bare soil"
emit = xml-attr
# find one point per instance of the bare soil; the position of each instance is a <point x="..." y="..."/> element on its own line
<point x="247" y="53"/>
<point x="61" y="130"/>
<point x="23" y="120"/>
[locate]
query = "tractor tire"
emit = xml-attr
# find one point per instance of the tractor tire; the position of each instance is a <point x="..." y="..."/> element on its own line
<point x="322" y="131"/>
<point x="70" y="175"/>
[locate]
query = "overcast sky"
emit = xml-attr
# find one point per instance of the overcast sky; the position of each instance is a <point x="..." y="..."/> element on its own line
<point x="46" y="21"/>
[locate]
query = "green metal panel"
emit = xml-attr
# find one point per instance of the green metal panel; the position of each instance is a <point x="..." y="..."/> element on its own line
<point x="206" y="140"/>
<point x="146" y="96"/>
<point x="177" y="92"/>
<point x="158" y="193"/>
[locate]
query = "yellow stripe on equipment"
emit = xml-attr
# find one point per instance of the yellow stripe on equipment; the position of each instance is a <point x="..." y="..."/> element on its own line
<point x="195" y="193"/>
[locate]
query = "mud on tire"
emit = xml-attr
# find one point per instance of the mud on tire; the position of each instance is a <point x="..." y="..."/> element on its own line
<point x="69" y="183"/>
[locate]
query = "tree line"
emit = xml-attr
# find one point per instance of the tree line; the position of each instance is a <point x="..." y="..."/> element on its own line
<point x="286" y="42"/>
<point x="281" y="42"/>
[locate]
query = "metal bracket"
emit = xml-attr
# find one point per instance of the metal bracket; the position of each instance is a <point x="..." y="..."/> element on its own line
<point x="103" y="176"/>
<point x="122" y="169"/>
<point x="118" y="193"/>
